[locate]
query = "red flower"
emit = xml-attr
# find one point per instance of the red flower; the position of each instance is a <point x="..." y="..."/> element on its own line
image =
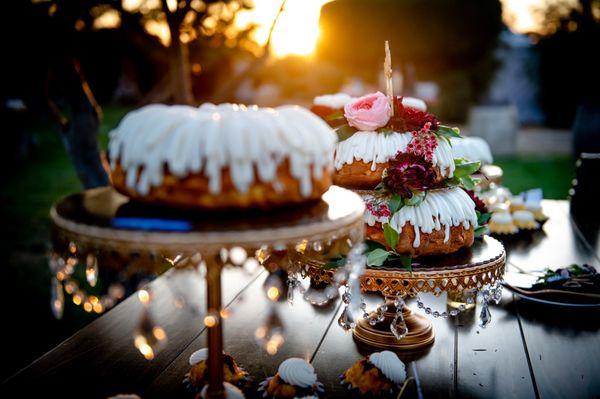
<point x="407" y="119"/>
<point x="479" y="204"/>
<point x="408" y="172"/>
<point x="423" y="142"/>
<point x="379" y="210"/>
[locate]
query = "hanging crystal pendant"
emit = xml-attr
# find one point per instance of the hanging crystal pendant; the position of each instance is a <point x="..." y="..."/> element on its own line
<point x="91" y="270"/>
<point x="398" y="327"/>
<point x="497" y="293"/>
<point x="290" y="293"/>
<point x="346" y="319"/>
<point x="57" y="299"/>
<point x="485" y="317"/>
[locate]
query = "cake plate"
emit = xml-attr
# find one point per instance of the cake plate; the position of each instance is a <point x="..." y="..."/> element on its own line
<point x="468" y="269"/>
<point x="114" y="231"/>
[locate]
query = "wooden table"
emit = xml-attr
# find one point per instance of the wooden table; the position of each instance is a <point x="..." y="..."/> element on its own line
<point x="527" y="351"/>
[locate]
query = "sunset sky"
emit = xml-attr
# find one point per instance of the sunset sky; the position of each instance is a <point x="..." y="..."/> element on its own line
<point x="297" y="29"/>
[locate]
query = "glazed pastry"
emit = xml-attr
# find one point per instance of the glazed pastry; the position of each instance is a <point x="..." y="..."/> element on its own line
<point x="327" y="104"/>
<point x="516" y="203"/>
<point x="443" y="223"/>
<point x="502" y="223"/>
<point x="499" y="207"/>
<point x="231" y="392"/>
<point x="197" y="377"/>
<point x="379" y="375"/>
<point x="222" y="156"/>
<point x="295" y="378"/>
<point x="536" y="209"/>
<point x="361" y="159"/>
<point x="473" y="149"/>
<point x="525" y="220"/>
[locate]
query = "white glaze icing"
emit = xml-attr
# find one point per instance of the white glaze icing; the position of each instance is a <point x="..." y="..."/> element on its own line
<point x="334" y="101"/>
<point x="379" y="148"/>
<point x="472" y="148"/>
<point x="212" y="137"/>
<point x="298" y="372"/>
<point x="390" y="365"/>
<point x="440" y="209"/>
<point x="413" y="102"/>
<point x="523" y="216"/>
<point x="517" y="200"/>
<point x="501" y="218"/>
<point x="231" y="391"/>
<point x="199" y="356"/>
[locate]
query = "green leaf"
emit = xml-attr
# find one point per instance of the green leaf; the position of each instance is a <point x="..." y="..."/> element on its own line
<point x="483" y="218"/>
<point x="335" y="263"/>
<point x="334" y="115"/>
<point x="479" y="231"/>
<point x="344" y="132"/>
<point x="404" y="260"/>
<point x="416" y="199"/>
<point x="377" y="257"/>
<point x="391" y="235"/>
<point x="467" y="182"/>
<point x="465" y="168"/>
<point x="373" y="245"/>
<point x="395" y="203"/>
<point x="447" y="131"/>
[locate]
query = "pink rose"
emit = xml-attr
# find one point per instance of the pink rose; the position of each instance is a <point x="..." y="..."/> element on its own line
<point x="368" y="112"/>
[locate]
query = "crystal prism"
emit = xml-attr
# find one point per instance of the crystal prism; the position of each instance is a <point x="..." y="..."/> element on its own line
<point x="346" y="320"/>
<point x="485" y="317"/>
<point x="398" y="327"/>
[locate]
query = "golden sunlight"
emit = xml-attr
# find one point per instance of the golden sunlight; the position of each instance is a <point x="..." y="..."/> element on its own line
<point x="297" y="29"/>
<point x="522" y="15"/>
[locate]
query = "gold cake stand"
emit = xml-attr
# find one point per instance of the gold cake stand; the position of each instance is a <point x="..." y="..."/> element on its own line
<point x="469" y="268"/>
<point x="119" y="232"/>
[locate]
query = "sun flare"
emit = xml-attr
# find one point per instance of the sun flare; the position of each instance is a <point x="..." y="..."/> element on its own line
<point x="297" y="29"/>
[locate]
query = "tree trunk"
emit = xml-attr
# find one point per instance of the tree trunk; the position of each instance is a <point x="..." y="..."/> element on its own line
<point x="80" y="135"/>
<point x="180" y="70"/>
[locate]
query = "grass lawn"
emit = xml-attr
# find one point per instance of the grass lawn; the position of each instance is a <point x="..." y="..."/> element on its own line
<point x="47" y="174"/>
<point x="553" y="174"/>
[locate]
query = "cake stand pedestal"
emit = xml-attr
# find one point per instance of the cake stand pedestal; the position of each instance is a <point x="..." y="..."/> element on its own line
<point x="119" y="232"/>
<point x="469" y="268"/>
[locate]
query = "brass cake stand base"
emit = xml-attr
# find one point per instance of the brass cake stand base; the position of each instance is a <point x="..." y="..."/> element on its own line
<point x="420" y="331"/>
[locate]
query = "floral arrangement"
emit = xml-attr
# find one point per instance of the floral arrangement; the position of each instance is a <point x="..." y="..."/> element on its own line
<point x="410" y="174"/>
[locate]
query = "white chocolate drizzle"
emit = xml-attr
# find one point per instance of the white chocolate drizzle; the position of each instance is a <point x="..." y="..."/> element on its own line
<point x="298" y="372"/>
<point x="440" y="209"/>
<point x="252" y="142"/>
<point x="334" y="101"/>
<point x="390" y="365"/>
<point x="231" y="391"/>
<point x="472" y="148"/>
<point x="377" y="148"/>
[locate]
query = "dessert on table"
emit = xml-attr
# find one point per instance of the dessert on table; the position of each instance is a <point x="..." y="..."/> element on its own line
<point x="221" y="156"/>
<point x="295" y="378"/>
<point x="502" y="223"/>
<point x="197" y="378"/>
<point x="231" y="392"/>
<point x="329" y="104"/>
<point x="525" y="220"/>
<point x="400" y="159"/>
<point x="473" y="149"/>
<point x="380" y="374"/>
